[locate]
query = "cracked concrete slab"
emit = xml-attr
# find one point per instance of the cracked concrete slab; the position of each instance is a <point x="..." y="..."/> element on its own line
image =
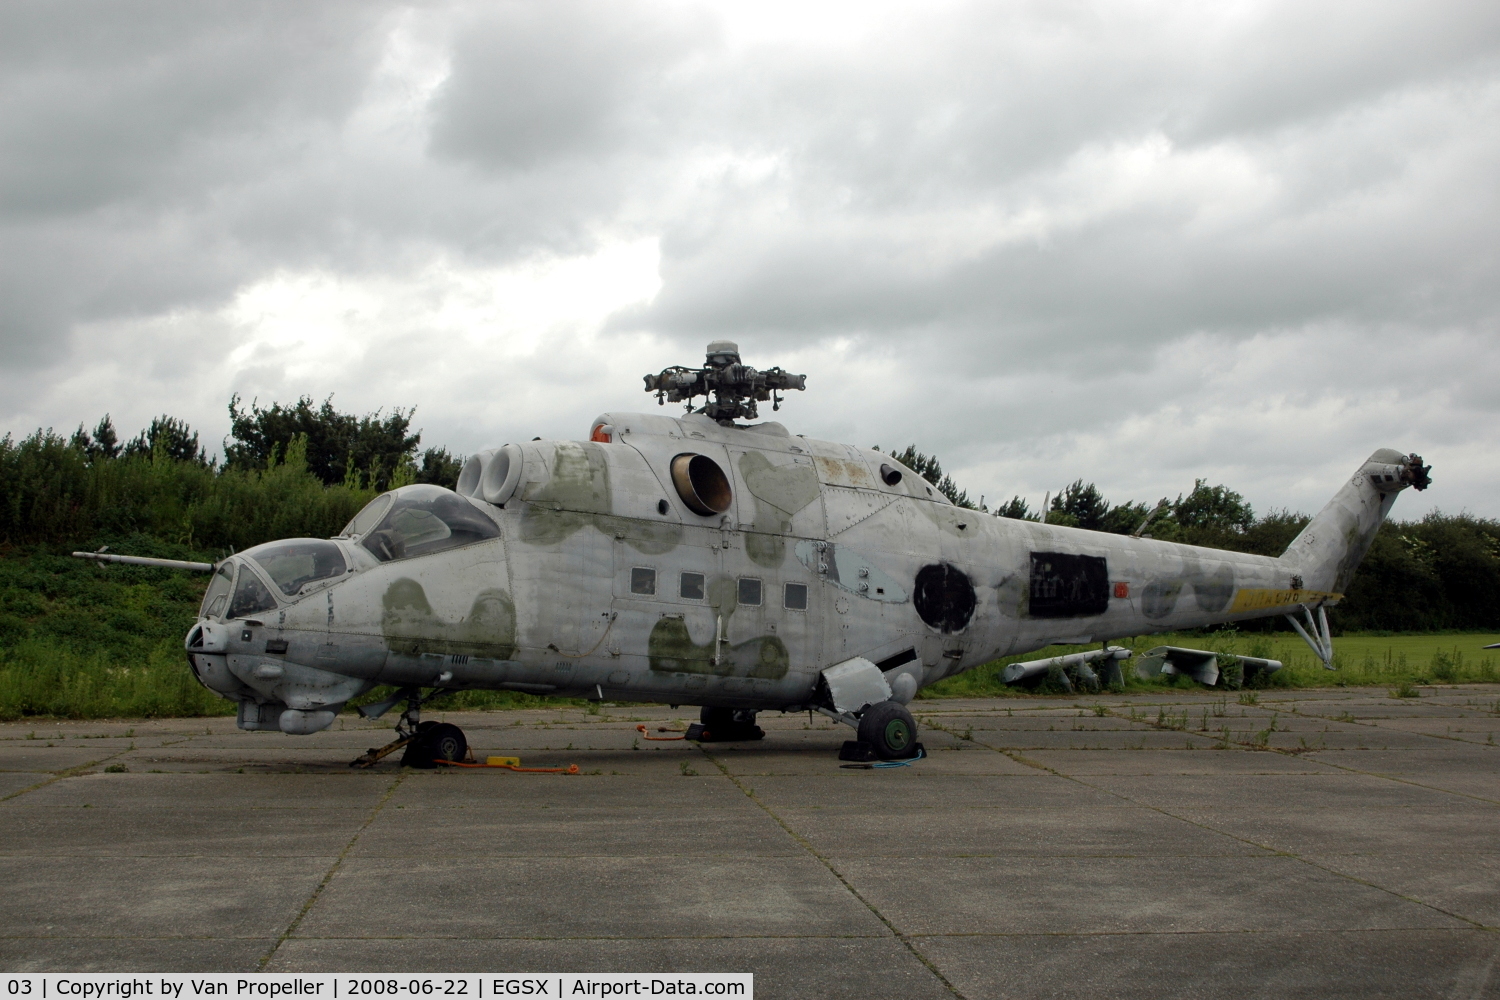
<point x="835" y="968"/>
<point x="1274" y="966"/>
<point x="1049" y="854"/>
<point x="1149" y="895"/>
<point x="636" y="897"/>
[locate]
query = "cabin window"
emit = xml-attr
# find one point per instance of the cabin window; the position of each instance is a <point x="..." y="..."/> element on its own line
<point x="294" y="564"/>
<point x="690" y="588"/>
<point x="218" y="592"/>
<point x="424" y="519"/>
<point x="796" y="597"/>
<point x="642" y="581"/>
<point x="750" y="592"/>
<point x="251" y="596"/>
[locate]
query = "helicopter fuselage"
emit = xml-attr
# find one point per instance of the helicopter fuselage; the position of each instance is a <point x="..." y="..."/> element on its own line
<point x="625" y="568"/>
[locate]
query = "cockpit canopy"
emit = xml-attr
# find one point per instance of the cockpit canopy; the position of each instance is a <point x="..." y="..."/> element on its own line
<point x="293" y="563"/>
<point x="410" y="521"/>
<point x="418" y="520"/>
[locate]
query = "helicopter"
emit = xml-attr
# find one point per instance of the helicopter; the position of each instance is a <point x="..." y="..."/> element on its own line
<point x="718" y="560"/>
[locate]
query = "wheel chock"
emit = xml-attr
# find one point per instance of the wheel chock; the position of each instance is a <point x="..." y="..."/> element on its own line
<point x="374" y="755"/>
<point x="864" y="756"/>
<point x="858" y="750"/>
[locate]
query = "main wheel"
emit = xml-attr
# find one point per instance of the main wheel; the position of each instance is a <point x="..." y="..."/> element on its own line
<point x="717" y="720"/>
<point x="729" y="724"/>
<point x="890" y="729"/>
<point x="434" y="742"/>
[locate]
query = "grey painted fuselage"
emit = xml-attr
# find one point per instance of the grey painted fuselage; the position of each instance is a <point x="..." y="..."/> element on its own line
<point x="601" y="581"/>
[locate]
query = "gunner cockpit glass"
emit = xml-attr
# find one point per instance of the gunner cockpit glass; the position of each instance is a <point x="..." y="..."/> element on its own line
<point x="251" y="596"/>
<point x="217" y="595"/>
<point x="423" y="519"/>
<point x="294" y="563"/>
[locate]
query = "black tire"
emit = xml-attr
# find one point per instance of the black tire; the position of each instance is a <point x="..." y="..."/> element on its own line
<point x="435" y="741"/>
<point x="729" y="725"/>
<point x="721" y="719"/>
<point x="890" y="729"/>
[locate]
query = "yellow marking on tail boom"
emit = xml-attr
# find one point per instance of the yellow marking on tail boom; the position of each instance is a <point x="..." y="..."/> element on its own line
<point x="1256" y="599"/>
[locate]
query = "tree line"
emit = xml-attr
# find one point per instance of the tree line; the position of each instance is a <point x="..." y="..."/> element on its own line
<point x="372" y="450"/>
<point x="305" y="470"/>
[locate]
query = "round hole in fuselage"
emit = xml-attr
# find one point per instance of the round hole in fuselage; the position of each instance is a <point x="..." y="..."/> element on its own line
<point x="701" y="484"/>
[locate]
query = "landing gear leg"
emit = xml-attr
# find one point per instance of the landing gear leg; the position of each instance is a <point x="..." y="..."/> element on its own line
<point x="425" y="743"/>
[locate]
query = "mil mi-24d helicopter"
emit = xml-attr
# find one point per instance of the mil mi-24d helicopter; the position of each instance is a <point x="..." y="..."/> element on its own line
<point x="704" y="560"/>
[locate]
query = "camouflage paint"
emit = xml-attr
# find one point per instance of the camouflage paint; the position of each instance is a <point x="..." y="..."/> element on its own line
<point x="779" y="492"/>
<point x="1159" y="598"/>
<point x="410" y="626"/>
<point x="578" y="495"/>
<point x="724" y="595"/>
<point x="577" y="490"/>
<point x="672" y="650"/>
<point x="1213" y="591"/>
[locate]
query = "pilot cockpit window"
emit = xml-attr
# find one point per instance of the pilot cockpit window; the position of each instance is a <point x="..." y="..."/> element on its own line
<point x="424" y="519"/>
<point x="251" y="596"/>
<point x="368" y="517"/>
<point x="294" y="563"/>
<point x="217" y="595"/>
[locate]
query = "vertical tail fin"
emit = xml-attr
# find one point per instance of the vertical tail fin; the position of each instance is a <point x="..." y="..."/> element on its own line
<point x="1324" y="556"/>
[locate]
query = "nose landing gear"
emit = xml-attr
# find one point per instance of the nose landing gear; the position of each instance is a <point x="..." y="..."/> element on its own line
<point x="435" y="744"/>
<point x="426" y="744"/>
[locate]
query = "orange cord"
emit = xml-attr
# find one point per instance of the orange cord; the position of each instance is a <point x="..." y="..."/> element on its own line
<point x="570" y="769"/>
<point x="660" y="729"/>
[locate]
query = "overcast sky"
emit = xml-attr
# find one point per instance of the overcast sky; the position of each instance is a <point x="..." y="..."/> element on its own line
<point x="1138" y="243"/>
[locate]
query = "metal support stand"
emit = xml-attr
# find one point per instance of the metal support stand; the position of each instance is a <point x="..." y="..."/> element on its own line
<point x="1316" y="634"/>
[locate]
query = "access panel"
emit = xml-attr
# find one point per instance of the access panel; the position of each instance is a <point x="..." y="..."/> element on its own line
<point x="1068" y="586"/>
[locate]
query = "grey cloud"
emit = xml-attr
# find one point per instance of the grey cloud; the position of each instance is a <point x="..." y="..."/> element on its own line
<point x="108" y="101"/>
<point x="534" y="82"/>
<point x="941" y="218"/>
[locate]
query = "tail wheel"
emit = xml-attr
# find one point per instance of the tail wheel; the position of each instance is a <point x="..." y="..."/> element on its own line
<point x="890" y="729"/>
<point x="434" y="742"/>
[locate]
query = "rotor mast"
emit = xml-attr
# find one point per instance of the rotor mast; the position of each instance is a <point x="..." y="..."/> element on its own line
<point x="735" y="387"/>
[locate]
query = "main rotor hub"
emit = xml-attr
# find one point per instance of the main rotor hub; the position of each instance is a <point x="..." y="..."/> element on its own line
<point x="734" y="387"/>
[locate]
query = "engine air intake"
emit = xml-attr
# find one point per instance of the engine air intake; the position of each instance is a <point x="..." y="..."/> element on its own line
<point x="701" y="484"/>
